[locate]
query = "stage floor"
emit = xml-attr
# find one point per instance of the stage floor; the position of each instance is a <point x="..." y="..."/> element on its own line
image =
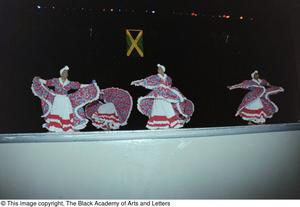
<point x="145" y="134"/>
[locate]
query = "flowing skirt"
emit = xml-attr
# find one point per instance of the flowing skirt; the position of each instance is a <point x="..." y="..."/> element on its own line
<point x="256" y="106"/>
<point x="254" y="112"/>
<point x="111" y="110"/>
<point x="106" y="117"/>
<point x="163" y="116"/>
<point x="61" y="116"/>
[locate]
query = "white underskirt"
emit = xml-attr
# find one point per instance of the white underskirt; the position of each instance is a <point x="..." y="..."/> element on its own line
<point x="62" y="107"/>
<point x="254" y="105"/>
<point x="107" y="108"/>
<point x="162" y="108"/>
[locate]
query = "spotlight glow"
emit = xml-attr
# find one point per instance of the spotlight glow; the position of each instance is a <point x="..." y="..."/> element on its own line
<point x="194" y="14"/>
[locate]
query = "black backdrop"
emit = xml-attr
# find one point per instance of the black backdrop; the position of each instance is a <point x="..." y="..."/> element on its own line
<point x="202" y="54"/>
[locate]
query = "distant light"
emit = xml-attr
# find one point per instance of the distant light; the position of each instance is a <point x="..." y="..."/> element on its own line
<point x="53" y="7"/>
<point x="120" y="10"/>
<point x="103" y="10"/>
<point x="224" y="16"/>
<point x="228" y="16"/>
<point x="82" y="8"/>
<point x="241" y="17"/>
<point x="220" y="16"/>
<point x="111" y="10"/>
<point x="251" y="18"/>
<point x="38" y="6"/>
<point x="146" y="11"/>
<point x="194" y="14"/>
<point x="153" y="12"/>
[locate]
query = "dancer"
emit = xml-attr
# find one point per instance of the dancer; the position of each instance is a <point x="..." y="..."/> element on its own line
<point x="165" y="106"/>
<point x="111" y="111"/>
<point x="64" y="112"/>
<point x="256" y="106"/>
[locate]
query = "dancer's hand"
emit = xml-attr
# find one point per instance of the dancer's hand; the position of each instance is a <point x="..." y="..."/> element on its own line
<point x="135" y="83"/>
<point x="229" y="87"/>
<point x="37" y="77"/>
<point x="94" y="81"/>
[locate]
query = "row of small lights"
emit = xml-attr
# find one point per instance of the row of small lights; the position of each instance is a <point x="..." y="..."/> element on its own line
<point x="193" y="13"/>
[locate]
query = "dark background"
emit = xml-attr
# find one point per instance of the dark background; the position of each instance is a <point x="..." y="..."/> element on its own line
<point x="202" y="54"/>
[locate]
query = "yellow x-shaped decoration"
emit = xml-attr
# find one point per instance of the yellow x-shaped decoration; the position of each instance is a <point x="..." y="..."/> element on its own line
<point x="134" y="42"/>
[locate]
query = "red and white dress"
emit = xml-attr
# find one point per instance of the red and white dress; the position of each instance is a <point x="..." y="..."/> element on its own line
<point x="256" y="106"/>
<point x="64" y="112"/>
<point x="165" y="106"/>
<point x="112" y="110"/>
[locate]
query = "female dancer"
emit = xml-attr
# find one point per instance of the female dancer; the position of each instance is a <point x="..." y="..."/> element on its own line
<point x="64" y="112"/>
<point x="256" y="106"/>
<point x="165" y="106"/>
